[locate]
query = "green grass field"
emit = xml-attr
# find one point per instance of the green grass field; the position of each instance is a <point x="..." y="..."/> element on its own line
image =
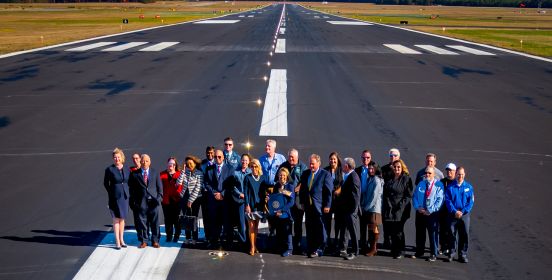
<point x="27" y="26"/>
<point x="524" y="30"/>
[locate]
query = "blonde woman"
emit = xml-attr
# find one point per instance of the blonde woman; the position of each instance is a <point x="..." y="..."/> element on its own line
<point x="116" y="184"/>
<point x="253" y="185"/>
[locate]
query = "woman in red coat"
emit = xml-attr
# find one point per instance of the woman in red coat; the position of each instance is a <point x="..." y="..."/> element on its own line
<point x="171" y="200"/>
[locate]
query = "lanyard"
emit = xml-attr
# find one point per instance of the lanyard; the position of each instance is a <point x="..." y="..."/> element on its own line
<point x="428" y="191"/>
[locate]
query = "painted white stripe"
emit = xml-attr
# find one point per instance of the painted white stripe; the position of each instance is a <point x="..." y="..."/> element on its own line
<point x="469" y="50"/>
<point x="130" y="263"/>
<point x="249" y="16"/>
<point x="436" y="50"/>
<point x="274" y="121"/>
<point x="325" y="17"/>
<point x="346" y="22"/>
<point x="280" y="46"/>
<point x="217" y="21"/>
<point x="316" y="16"/>
<point x="242" y="16"/>
<point x="401" y="49"/>
<point x="158" y="47"/>
<point x="124" y="47"/>
<point x="91" y="46"/>
<point x="283" y="30"/>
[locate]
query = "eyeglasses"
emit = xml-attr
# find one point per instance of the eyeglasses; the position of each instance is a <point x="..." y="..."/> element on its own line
<point x="366" y="157"/>
<point x="219" y="156"/>
<point x="428" y="173"/>
<point x="228" y="144"/>
<point x="393" y="155"/>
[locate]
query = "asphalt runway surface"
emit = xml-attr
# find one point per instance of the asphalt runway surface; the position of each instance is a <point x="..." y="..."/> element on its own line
<point x="62" y="113"/>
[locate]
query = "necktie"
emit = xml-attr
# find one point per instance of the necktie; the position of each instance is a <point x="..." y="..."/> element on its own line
<point x="146" y="177"/>
<point x="218" y="171"/>
<point x="310" y="186"/>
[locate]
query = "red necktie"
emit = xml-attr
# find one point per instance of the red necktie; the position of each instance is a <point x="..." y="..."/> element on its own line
<point x="146" y="177"/>
<point x="218" y="171"/>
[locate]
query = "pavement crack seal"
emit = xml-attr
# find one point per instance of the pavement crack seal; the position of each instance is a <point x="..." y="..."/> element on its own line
<point x="262" y="267"/>
<point x="329" y="264"/>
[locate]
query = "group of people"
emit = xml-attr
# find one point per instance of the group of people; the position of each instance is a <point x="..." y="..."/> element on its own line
<point x="235" y="192"/>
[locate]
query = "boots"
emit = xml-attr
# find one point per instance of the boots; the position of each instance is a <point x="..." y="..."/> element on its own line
<point x="373" y="241"/>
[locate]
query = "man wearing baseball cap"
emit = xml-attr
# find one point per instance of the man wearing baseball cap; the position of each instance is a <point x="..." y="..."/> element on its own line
<point x="450" y="174"/>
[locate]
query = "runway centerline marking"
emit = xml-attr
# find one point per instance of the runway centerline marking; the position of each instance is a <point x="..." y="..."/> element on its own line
<point x="436" y="50"/>
<point x="274" y="121"/>
<point x="90" y="46"/>
<point x="282" y="30"/>
<point x="347" y="22"/>
<point x="469" y="50"/>
<point x="280" y="46"/>
<point x="402" y="49"/>
<point x="218" y="21"/>
<point x="158" y="47"/>
<point x="124" y="47"/>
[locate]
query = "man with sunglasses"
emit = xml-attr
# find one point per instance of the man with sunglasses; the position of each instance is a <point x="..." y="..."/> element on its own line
<point x="230" y="156"/>
<point x="427" y="200"/>
<point x="431" y="161"/>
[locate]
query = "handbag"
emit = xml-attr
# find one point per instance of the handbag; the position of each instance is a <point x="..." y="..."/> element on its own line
<point x="188" y="222"/>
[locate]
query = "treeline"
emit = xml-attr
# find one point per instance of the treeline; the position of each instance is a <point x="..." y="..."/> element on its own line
<point x="482" y="3"/>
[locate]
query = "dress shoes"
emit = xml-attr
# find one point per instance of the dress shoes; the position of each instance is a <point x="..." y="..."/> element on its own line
<point x="431" y="258"/>
<point x="463" y="259"/>
<point x="155" y="245"/>
<point x="143" y="245"/>
<point x="343" y="253"/>
<point x="123" y="245"/>
<point x="397" y="257"/>
<point x="316" y="254"/>
<point x="449" y="258"/>
<point x="286" y="254"/>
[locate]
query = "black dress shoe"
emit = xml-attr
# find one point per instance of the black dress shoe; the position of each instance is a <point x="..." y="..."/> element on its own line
<point x="449" y="258"/>
<point x="398" y="257"/>
<point x="432" y="258"/>
<point x="463" y="259"/>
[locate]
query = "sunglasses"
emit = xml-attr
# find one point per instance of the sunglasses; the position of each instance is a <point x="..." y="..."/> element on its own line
<point x="428" y="173"/>
<point x="393" y="155"/>
<point x="219" y="157"/>
<point x="228" y="144"/>
<point x="366" y="157"/>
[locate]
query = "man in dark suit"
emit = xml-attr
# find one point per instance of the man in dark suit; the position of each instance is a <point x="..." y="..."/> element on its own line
<point x="218" y="179"/>
<point x="350" y="196"/>
<point x="316" y="197"/>
<point x="146" y="194"/>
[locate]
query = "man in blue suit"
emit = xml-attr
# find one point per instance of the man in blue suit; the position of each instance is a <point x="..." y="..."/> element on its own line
<point x="146" y="194"/>
<point x="316" y="198"/>
<point x="218" y="181"/>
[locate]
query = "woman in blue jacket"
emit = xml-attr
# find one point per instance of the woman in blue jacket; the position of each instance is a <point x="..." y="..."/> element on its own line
<point x="253" y="184"/>
<point x="116" y="184"/>
<point x="283" y="193"/>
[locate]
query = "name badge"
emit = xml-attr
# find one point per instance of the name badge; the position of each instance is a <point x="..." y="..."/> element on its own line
<point x="466" y="189"/>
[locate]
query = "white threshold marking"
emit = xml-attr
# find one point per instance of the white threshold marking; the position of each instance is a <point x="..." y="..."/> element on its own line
<point x="274" y="121"/>
<point x="90" y="46"/>
<point x="401" y="49"/>
<point x="280" y="46"/>
<point x="124" y="47"/>
<point x="158" y="47"/>
<point x="130" y="263"/>
<point x="249" y="16"/>
<point x="282" y="30"/>
<point x="347" y="22"/>
<point x="242" y="16"/>
<point x="217" y="21"/>
<point x="436" y="50"/>
<point x="469" y="50"/>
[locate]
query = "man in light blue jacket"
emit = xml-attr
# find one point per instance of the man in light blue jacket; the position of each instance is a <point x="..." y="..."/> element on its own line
<point x="427" y="200"/>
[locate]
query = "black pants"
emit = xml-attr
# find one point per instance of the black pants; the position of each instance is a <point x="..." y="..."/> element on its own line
<point x="316" y="233"/>
<point x="148" y="217"/>
<point x="194" y="212"/>
<point x="283" y="234"/>
<point x="218" y="214"/>
<point x="396" y="236"/>
<point x="297" y="215"/>
<point x="349" y="225"/>
<point x="364" y="221"/>
<point x="430" y="224"/>
<point x="444" y="236"/>
<point x="171" y="212"/>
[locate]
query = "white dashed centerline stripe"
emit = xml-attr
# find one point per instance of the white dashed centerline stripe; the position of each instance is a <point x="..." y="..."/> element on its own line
<point x="280" y="46"/>
<point x="282" y="30"/>
<point x="436" y="50"/>
<point x="90" y="46"/>
<point x="124" y="47"/>
<point x="158" y="47"/>
<point x="469" y="50"/>
<point x="347" y="22"/>
<point x="274" y="121"/>
<point x="402" y="49"/>
<point x="217" y="21"/>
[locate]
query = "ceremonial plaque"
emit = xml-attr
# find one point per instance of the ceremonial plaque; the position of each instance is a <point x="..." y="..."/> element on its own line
<point x="276" y="202"/>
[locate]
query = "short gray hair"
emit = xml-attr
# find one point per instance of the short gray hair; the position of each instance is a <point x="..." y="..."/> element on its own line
<point x="316" y="157"/>
<point x="350" y="162"/>
<point x="271" y="141"/>
<point x="293" y="150"/>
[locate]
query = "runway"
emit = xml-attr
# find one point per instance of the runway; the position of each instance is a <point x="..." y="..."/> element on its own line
<point x="336" y="84"/>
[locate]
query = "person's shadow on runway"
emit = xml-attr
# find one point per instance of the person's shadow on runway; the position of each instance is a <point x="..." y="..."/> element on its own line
<point x="68" y="238"/>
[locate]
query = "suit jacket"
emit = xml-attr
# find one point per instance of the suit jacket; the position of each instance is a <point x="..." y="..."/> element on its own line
<point x="350" y="194"/>
<point x="321" y="191"/>
<point x="214" y="184"/>
<point x="140" y="191"/>
<point x="116" y="185"/>
<point x="294" y="173"/>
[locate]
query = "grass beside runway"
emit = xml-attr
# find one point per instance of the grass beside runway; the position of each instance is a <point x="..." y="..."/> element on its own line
<point x="27" y="26"/>
<point x="521" y="29"/>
